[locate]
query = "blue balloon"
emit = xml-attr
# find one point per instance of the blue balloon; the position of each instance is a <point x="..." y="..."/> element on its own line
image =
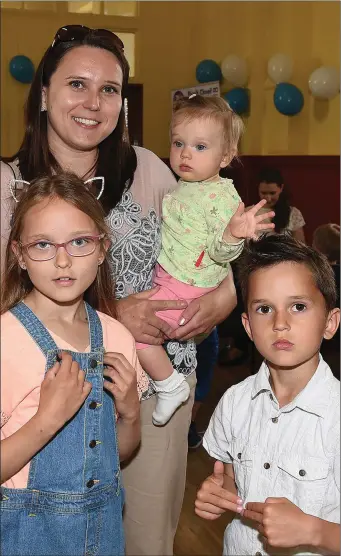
<point x="288" y="99"/>
<point x="208" y="70"/>
<point x="238" y="100"/>
<point x="21" y="68"/>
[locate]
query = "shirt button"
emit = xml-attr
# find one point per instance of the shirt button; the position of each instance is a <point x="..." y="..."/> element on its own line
<point x="92" y="405"/>
<point x="302" y="472"/>
<point x="274" y="419"/>
<point x="266" y="466"/>
<point x="258" y="554"/>
<point x="90" y="483"/>
<point x="93" y="363"/>
<point x="239" y="456"/>
<point x="92" y="443"/>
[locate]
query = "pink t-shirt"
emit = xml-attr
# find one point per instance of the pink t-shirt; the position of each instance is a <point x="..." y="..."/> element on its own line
<point x="23" y="369"/>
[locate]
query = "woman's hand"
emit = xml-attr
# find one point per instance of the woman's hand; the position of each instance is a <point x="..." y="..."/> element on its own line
<point x="203" y="314"/>
<point x="245" y="224"/>
<point x="123" y="385"/>
<point x="137" y="313"/>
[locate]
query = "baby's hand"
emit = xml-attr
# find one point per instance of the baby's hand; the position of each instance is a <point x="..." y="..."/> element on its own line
<point x="245" y="224"/>
<point x="281" y="522"/>
<point x="213" y="499"/>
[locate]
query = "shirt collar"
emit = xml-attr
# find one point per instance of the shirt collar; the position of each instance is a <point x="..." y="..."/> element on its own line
<point x="314" y="398"/>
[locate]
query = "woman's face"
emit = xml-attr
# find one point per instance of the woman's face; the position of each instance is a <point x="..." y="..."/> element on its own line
<point x="83" y="100"/>
<point x="270" y="192"/>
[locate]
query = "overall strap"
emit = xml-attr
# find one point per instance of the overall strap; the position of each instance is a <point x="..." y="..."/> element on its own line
<point x="95" y="328"/>
<point x="34" y="327"/>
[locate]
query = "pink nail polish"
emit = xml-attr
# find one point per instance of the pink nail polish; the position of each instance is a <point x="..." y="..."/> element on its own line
<point x="239" y="509"/>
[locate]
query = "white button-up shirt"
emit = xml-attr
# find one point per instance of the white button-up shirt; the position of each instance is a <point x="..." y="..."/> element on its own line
<point x="291" y="452"/>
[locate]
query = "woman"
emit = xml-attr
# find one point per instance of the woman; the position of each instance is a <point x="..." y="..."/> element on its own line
<point x="271" y="188"/>
<point x="75" y="121"/>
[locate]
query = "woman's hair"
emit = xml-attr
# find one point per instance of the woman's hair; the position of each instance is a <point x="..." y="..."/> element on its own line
<point x="273" y="249"/>
<point x="116" y="159"/>
<point x="71" y="189"/>
<point x="326" y="239"/>
<point x="282" y="207"/>
<point x="215" y="108"/>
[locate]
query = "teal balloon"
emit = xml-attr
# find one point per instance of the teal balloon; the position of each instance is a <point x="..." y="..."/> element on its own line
<point x="238" y="100"/>
<point x="208" y="70"/>
<point x="288" y="99"/>
<point x="21" y="68"/>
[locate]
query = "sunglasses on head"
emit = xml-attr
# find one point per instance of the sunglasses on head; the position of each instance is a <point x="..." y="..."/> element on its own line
<point x="79" y="32"/>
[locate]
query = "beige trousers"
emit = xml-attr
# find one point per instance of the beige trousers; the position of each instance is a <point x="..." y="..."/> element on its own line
<point x="155" y="481"/>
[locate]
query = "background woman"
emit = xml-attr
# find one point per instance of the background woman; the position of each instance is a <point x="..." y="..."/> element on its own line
<point x="271" y="187"/>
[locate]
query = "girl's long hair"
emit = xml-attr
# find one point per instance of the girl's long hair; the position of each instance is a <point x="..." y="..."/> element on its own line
<point x="282" y="207"/>
<point x="116" y="159"/>
<point x="16" y="283"/>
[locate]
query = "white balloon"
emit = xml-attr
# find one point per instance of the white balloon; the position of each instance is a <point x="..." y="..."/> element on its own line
<point x="234" y="69"/>
<point x="324" y="82"/>
<point x="280" y="68"/>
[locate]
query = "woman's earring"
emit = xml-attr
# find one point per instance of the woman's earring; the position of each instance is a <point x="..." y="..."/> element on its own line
<point x="22" y="266"/>
<point x="43" y="105"/>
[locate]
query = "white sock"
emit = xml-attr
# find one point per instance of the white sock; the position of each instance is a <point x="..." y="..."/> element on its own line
<point x="171" y="393"/>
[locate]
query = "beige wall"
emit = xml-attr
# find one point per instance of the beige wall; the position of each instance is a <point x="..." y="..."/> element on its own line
<point x="172" y="37"/>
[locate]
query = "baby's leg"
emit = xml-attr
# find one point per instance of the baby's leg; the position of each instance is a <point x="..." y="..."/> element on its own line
<point x="171" y="387"/>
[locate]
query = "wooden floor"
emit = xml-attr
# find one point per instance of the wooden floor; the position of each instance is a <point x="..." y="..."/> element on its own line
<point x="196" y="536"/>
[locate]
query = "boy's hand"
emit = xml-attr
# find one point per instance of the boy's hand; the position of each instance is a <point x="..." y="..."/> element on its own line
<point x="281" y="522"/>
<point x="123" y="385"/>
<point x="245" y="224"/>
<point x="212" y="499"/>
<point x="63" y="391"/>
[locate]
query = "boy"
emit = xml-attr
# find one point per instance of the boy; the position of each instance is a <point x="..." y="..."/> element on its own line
<point x="276" y="434"/>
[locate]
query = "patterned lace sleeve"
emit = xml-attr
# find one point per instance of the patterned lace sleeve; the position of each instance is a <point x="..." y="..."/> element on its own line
<point x="296" y="220"/>
<point x="4" y="418"/>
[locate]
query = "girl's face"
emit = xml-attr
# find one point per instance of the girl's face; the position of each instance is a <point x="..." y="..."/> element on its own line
<point x="270" y="192"/>
<point x="63" y="279"/>
<point x="83" y="100"/>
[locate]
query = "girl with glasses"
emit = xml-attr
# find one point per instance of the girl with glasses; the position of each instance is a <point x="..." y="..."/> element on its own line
<point x="69" y="379"/>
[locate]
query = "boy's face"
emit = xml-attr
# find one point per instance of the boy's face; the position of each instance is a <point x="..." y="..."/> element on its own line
<point x="287" y="317"/>
<point x="197" y="150"/>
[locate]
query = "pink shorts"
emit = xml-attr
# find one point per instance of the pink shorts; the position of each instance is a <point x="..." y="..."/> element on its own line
<point x="173" y="290"/>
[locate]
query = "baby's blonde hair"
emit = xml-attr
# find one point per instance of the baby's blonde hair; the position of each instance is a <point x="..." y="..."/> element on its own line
<point x="215" y="108"/>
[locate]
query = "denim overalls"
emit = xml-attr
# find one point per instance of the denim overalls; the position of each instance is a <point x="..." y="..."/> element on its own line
<point x="73" y="502"/>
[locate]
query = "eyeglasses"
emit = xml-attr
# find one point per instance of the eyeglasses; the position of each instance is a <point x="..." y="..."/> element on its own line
<point x="46" y="250"/>
<point x="79" y="32"/>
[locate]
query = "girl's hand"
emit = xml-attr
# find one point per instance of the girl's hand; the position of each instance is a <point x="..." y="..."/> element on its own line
<point x="63" y="391"/>
<point x="245" y="224"/>
<point x="281" y="522"/>
<point x="123" y="386"/>
<point x="137" y="313"/>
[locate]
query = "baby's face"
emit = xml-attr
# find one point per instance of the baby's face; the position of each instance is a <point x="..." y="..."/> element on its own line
<point x="287" y="317"/>
<point x="197" y="149"/>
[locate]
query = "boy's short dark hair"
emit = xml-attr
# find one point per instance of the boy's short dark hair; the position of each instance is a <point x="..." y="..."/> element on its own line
<point x="272" y="249"/>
